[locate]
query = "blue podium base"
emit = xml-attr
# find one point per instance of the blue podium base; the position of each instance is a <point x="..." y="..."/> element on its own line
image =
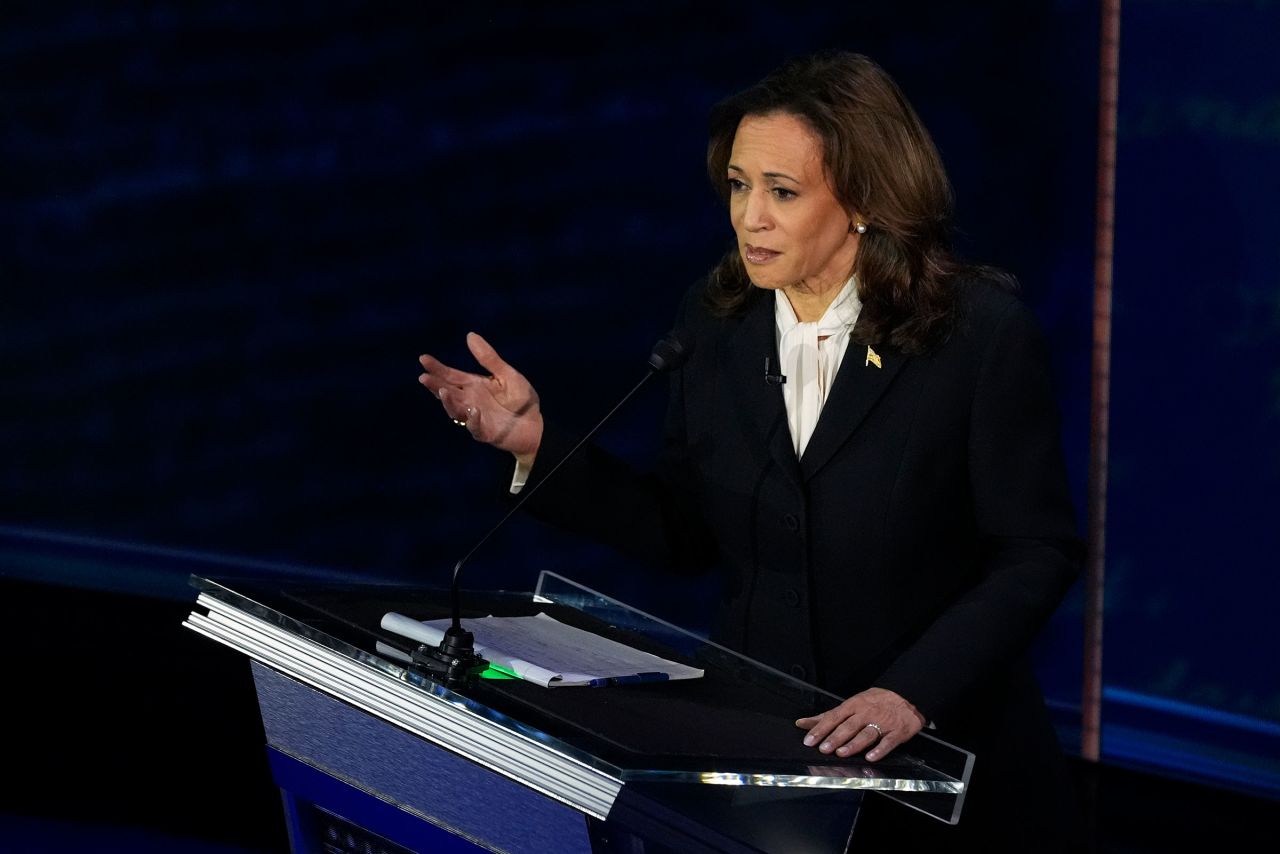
<point x="353" y="783"/>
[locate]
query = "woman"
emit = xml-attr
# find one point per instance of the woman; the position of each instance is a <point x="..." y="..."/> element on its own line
<point x="887" y="496"/>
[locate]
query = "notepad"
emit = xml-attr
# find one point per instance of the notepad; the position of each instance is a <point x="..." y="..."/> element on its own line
<point x="543" y="650"/>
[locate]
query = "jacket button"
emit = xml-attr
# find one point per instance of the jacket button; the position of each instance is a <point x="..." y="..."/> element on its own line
<point x="798" y="671"/>
<point x="791" y="597"/>
<point x="792" y="523"/>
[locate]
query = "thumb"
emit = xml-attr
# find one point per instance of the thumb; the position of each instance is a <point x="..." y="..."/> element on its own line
<point x="487" y="356"/>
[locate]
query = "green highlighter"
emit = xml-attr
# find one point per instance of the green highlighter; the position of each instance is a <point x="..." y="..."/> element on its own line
<point x="493" y="671"/>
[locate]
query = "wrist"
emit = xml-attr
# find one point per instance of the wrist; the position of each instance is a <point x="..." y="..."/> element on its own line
<point x="526" y="455"/>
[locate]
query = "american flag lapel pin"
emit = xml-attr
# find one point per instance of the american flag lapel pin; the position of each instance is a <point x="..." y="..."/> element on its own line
<point x="873" y="358"/>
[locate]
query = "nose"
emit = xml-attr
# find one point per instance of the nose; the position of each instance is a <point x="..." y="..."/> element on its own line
<point x="756" y="215"/>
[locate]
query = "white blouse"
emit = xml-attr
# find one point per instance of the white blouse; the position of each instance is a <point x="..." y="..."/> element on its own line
<point x="810" y="355"/>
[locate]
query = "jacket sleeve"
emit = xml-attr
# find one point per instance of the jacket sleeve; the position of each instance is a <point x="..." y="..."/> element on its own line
<point x="1029" y="552"/>
<point x="654" y="516"/>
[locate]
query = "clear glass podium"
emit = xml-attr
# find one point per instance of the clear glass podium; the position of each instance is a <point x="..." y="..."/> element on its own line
<point x="371" y="755"/>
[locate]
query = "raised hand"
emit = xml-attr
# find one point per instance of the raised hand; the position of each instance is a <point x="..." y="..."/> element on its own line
<point x="499" y="408"/>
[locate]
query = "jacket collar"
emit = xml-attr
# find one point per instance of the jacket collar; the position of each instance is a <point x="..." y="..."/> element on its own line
<point x="762" y="415"/>
<point x="858" y="385"/>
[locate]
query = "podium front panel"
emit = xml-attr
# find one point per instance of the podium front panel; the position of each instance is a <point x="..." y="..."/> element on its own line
<point x="574" y="747"/>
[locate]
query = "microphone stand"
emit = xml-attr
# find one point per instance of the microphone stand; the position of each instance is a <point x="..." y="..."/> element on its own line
<point x="455" y="661"/>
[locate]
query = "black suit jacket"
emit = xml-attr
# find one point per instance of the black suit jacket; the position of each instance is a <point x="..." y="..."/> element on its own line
<point x="920" y="543"/>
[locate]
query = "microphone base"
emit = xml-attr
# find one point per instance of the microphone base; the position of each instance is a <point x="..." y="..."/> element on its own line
<point x="453" y="663"/>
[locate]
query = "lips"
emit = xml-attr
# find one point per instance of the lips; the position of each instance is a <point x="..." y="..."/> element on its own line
<point x="758" y="254"/>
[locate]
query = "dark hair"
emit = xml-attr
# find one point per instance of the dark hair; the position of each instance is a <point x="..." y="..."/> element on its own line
<point x="882" y="165"/>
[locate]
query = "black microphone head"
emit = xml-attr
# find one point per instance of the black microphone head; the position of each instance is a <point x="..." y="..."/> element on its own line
<point x="672" y="351"/>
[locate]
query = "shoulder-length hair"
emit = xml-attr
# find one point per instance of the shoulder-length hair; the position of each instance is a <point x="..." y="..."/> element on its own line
<point x="883" y="168"/>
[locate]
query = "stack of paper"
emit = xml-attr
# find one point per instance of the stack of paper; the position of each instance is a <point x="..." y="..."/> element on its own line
<point x="544" y="650"/>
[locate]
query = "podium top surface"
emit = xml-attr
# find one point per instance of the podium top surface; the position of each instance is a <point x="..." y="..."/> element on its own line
<point x="733" y="726"/>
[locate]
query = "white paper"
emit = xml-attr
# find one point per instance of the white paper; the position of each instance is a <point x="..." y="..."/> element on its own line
<point x="544" y="650"/>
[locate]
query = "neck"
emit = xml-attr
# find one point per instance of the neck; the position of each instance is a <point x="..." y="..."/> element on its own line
<point x="810" y="303"/>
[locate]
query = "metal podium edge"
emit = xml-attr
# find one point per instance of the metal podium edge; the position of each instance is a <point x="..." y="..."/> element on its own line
<point x="432" y="718"/>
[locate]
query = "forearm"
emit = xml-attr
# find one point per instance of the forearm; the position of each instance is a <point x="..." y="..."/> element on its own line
<point x="649" y="515"/>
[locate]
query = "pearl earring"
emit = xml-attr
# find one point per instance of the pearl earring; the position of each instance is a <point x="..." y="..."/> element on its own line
<point x="860" y="227"/>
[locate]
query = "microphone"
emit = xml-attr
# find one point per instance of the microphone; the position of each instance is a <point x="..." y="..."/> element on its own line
<point x="454" y="661"/>
<point x="669" y="354"/>
<point x="770" y="377"/>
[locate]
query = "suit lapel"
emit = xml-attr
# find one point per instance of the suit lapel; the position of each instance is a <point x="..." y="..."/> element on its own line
<point x="858" y="385"/>
<point x="761" y="408"/>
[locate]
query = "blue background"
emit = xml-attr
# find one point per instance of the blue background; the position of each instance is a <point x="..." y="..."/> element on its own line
<point x="227" y="230"/>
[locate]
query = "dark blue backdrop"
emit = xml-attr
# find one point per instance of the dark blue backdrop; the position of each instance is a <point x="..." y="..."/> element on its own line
<point x="228" y="230"/>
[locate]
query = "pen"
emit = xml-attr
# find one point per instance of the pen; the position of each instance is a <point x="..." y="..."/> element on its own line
<point x="633" y="679"/>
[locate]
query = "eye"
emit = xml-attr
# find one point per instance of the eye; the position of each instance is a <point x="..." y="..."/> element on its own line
<point x="783" y="194"/>
<point x="736" y="185"/>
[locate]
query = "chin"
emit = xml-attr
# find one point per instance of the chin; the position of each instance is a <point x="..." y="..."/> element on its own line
<point x="761" y="278"/>
<point x="765" y="279"/>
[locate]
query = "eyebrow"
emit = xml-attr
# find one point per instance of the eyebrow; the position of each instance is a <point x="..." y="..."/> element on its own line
<point x="768" y="174"/>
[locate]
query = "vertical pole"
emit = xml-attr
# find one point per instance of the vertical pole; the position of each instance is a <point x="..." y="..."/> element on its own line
<point x="1104" y="243"/>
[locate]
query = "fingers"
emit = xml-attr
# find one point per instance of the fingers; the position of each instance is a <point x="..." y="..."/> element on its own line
<point x="853" y="736"/>
<point x="440" y="374"/>
<point x="458" y="407"/>
<point x="875" y="721"/>
<point x="838" y="730"/>
<point x="487" y="356"/>
<point x="885" y="745"/>
<point x="473" y="420"/>
<point x="483" y="421"/>
<point x="433" y="383"/>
